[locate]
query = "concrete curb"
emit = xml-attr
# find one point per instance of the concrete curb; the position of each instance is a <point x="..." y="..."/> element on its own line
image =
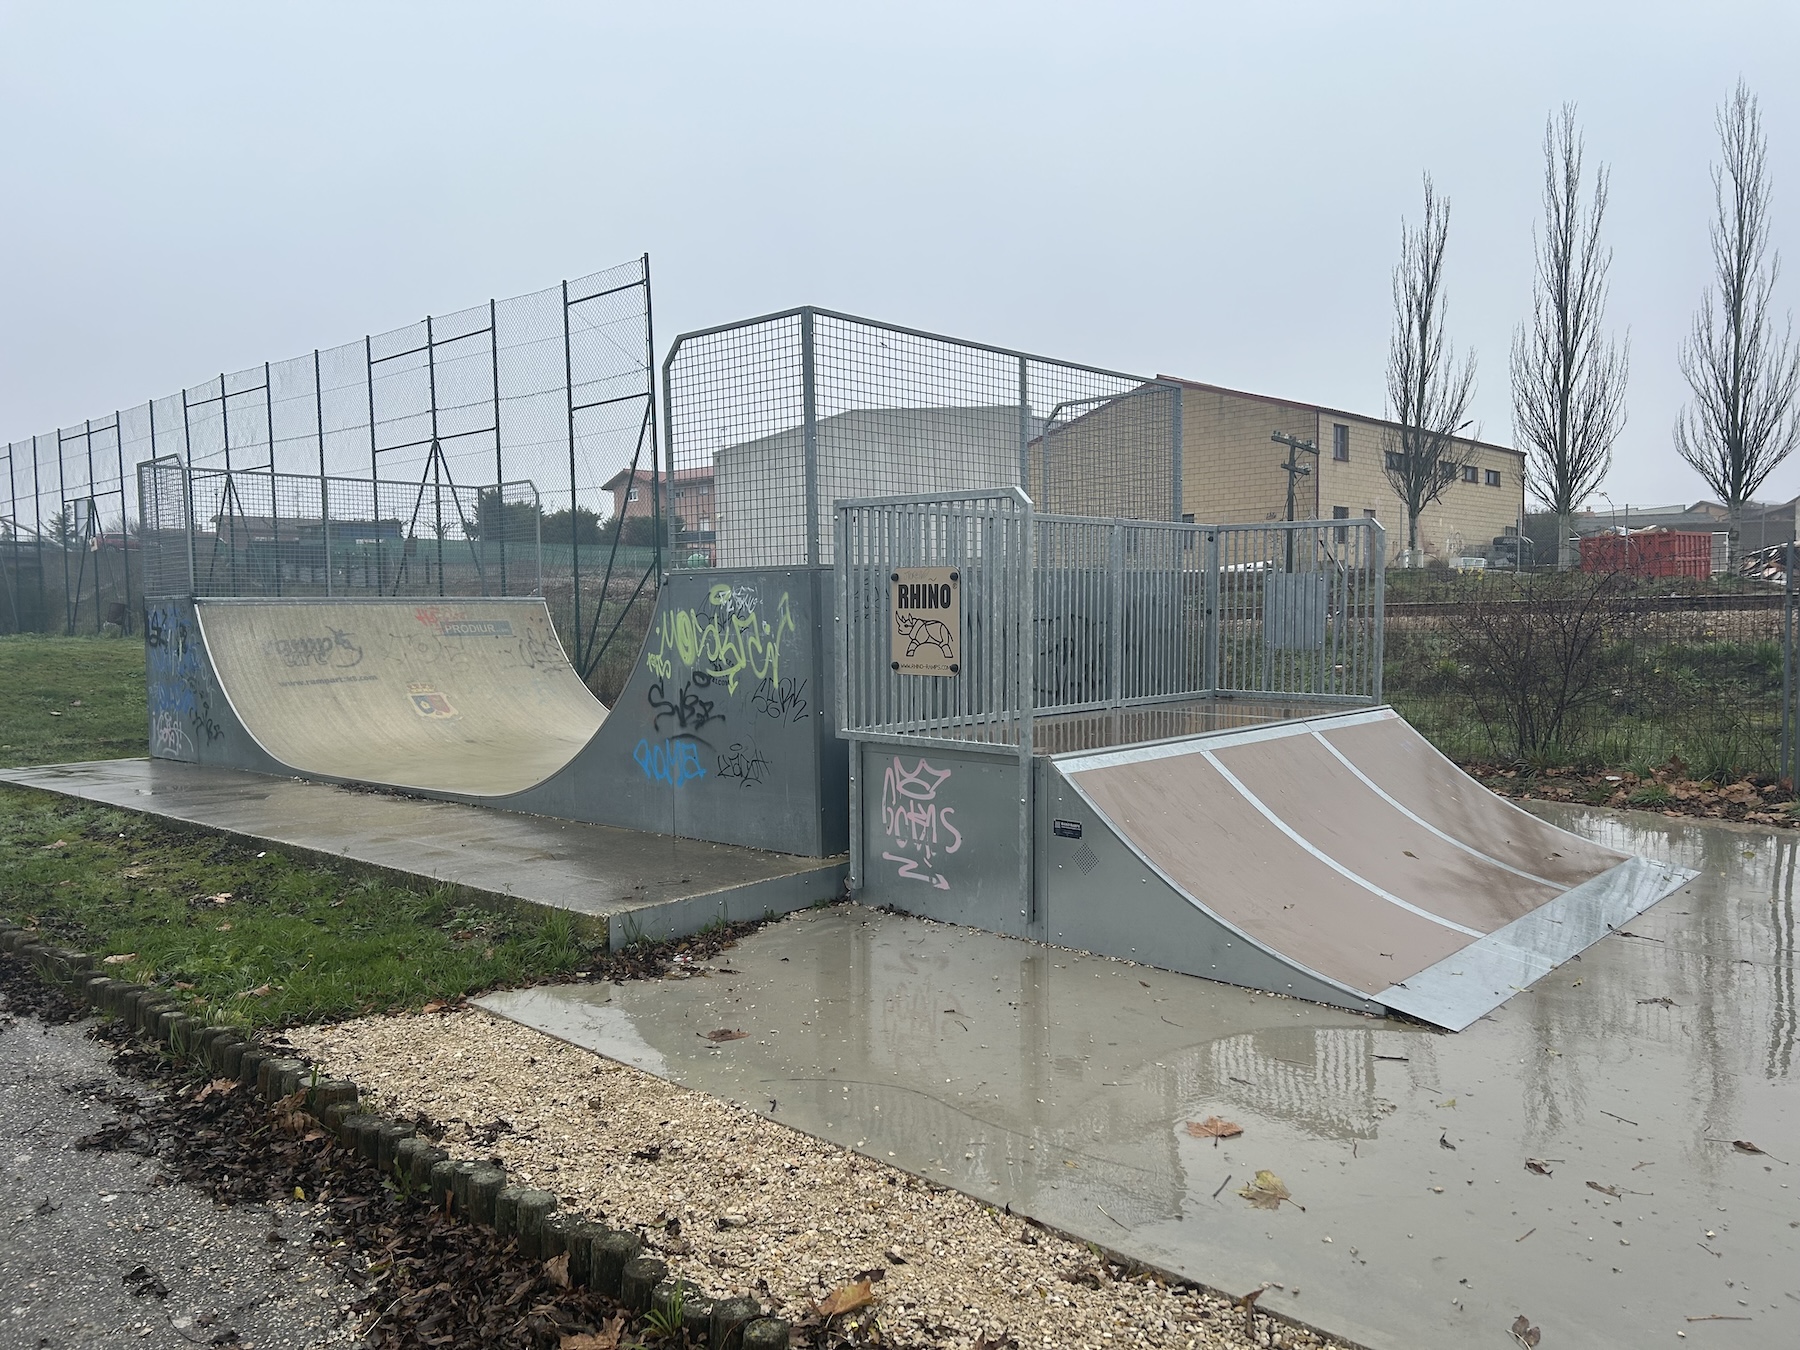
<point x="610" y="1261"/>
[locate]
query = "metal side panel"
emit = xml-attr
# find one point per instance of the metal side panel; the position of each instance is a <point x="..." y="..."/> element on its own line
<point x="725" y="729"/>
<point x="1460" y="990"/>
<point x="940" y="834"/>
<point x="1100" y="894"/>
<point x="191" y="719"/>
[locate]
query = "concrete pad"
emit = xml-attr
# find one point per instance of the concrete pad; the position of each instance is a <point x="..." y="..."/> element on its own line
<point x="637" y="883"/>
<point x="1063" y="1084"/>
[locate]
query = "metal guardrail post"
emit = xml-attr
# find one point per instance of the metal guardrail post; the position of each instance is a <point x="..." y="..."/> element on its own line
<point x="1115" y="636"/>
<point x="1378" y="634"/>
<point x="1209" y="617"/>
<point x="1025" y="590"/>
<point x="846" y="555"/>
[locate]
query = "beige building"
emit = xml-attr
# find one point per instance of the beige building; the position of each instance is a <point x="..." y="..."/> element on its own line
<point x="1231" y="472"/>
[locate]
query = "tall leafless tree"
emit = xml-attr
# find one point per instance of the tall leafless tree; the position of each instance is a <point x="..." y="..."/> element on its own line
<point x="1568" y="378"/>
<point x="1428" y="390"/>
<point x="1744" y="418"/>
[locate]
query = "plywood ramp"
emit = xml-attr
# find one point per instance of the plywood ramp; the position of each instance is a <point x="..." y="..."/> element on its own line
<point x="462" y="696"/>
<point x="1350" y="850"/>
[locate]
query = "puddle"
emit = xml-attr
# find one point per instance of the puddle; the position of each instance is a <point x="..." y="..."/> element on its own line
<point x="1062" y="1085"/>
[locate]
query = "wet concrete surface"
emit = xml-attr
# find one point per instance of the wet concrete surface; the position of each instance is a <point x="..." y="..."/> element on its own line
<point x="654" y="884"/>
<point x="80" y="1231"/>
<point x="1063" y="1084"/>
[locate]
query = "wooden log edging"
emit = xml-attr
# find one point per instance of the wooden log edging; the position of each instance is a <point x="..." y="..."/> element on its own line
<point x="611" y="1262"/>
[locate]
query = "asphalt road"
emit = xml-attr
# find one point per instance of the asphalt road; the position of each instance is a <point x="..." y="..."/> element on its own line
<point x="97" y="1250"/>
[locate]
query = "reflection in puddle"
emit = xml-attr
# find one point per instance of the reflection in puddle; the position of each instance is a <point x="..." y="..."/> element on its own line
<point x="1062" y="1084"/>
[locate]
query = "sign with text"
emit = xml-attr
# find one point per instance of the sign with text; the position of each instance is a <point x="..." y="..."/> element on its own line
<point x="926" y="634"/>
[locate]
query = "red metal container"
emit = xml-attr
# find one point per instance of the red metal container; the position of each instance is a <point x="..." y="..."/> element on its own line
<point x="1649" y="553"/>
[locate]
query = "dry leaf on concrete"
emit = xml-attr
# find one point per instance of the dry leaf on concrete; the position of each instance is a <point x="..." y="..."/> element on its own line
<point x="1613" y="1191"/>
<point x="1267" y="1192"/>
<point x="847" y="1298"/>
<point x="723" y="1034"/>
<point x="1539" y="1166"/>
<point x="1524" y="1333"/>
<point x="1215" y="1129"/>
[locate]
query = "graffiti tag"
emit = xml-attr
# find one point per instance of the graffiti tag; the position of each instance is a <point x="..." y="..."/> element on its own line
<point x="914" y="823"/>
<point x="744" y="763"/>
<point x="674" y="761"/>
<point x="687" y="709"/>
<point x="783" y="700"/>
<point x="724" y="640"/>
<point x="180" y="697"/>
<point x="335" y="649"/>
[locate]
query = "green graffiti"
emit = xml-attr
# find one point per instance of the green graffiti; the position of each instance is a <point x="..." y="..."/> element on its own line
<point x="735" y="635"/>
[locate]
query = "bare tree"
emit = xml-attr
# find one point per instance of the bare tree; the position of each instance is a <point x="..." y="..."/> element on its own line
<point x="1428" y="391"/>
<point x="1568" y="379"/>
<point x="1744" y="419"/>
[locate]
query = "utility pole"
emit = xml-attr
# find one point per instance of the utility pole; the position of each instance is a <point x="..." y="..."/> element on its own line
<point x="1295" y="469"/>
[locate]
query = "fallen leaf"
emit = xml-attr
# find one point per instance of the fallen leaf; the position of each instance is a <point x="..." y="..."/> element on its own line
<point x="1444" y="1141"/>
<point x="118" y="960"/>
<point x="217" y="1085"/>
<point x="1663" y="1002"/>
<point x="847" y="1298"/>
<point x="260" y="991"/>
<point x="60" y="843"/>
<point x="1745" y="1146"/>
<point x="1539" y="1166"/>
<point x="1409" y="853"/>
<point x="1215" y="1129"/>
<point x="607" y="1338"/>
<point x="722" y="1034"/>
<point x="436" y="1005"/>
<point x="1449" y="1105"/>
<point x="1267" y="1192"/>
<point x="1524" y="1333"/>
<point x="1613" y="1191"/>
<point x="224" y="927"/>
<point x="556" y="1270"/>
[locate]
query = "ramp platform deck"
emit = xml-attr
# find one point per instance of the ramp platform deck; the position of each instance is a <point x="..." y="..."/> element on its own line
<point x="632" y="882"/>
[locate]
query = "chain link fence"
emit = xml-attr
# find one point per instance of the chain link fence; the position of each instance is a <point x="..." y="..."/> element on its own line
<point x="774" y="420"/>
<point x="525" y="423"/>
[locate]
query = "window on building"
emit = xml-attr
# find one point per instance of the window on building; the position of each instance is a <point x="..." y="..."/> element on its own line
<point x="1340" y="441"/>
<point x="1396" y="459"/>
<point x="631" y="494"/>
<point x="1468" y="473"/>
<point x="1368" y="513"/>
<point x="1493" y="478"/>
<point x="1341" y="513"/>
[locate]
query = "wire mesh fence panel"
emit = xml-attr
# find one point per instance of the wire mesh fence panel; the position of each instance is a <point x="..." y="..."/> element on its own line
<point x="248" y="533"/>
<point x="554" y="388"/>
<point x="775" y="420"/>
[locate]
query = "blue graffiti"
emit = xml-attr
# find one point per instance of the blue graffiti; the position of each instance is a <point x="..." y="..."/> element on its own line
<point x="674" y="762"/>
<point x="179" y="694"/>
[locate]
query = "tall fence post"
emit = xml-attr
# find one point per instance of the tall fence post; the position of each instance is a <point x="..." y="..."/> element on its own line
<point x="1115" y="626"/>
<point x="809" y="413"/>
<point x="1209" y="618"/>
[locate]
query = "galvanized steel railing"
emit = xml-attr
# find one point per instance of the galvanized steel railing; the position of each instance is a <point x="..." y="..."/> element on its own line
<point x="1069" y="614"/>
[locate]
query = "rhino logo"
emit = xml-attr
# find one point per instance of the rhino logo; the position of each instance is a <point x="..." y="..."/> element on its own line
<point x="924" y="633"/>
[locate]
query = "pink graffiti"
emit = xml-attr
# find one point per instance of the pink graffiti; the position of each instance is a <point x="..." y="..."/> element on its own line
<point x="912" y="821"/>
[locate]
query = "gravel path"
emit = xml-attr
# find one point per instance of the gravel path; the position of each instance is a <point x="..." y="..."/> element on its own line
<point x="733" y="1200"/>
<point x="98" y="1249"/>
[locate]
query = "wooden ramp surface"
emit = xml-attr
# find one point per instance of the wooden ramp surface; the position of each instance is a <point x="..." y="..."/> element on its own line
<point x="1351" y="849"/>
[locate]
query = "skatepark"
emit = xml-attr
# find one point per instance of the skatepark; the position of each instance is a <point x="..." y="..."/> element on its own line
<point x="1129" y="838"/>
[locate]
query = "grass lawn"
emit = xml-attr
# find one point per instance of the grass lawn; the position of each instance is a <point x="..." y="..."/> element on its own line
<point x="66" y="699"/>
<point x="253" y="937"/>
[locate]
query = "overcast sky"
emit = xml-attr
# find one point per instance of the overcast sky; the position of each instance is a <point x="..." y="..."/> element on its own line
<point x="1212" y="191"/>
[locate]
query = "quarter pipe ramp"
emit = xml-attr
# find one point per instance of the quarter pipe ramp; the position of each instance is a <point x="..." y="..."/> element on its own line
<point x="1352" y="852"/>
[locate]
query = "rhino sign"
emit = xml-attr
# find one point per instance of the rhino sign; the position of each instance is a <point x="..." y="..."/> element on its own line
<point x="927" y="631"/>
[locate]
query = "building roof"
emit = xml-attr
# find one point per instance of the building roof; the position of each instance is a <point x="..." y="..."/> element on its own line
<point x="1322" y="409"/>
<point x="619" y="479"/>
